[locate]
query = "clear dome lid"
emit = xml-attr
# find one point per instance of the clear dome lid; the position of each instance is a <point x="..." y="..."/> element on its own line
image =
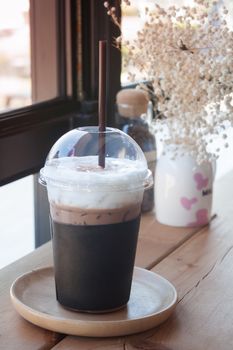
<point x="74" y="161"/>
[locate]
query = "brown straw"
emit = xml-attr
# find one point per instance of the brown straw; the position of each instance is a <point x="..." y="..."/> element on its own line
<point x="102" y="101"/>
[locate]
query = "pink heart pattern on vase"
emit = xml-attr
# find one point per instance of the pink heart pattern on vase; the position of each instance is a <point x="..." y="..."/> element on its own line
<point x="201" y="181"/>
<point x="201" y="218"/>
<point x="187" y="203"/>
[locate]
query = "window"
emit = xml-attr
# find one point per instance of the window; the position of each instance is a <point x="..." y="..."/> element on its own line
<point x="15" y="77"/>
<point x="64" y="37"/>
<point x="27" y="133"/>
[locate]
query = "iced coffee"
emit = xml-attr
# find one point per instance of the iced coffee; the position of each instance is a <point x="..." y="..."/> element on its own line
<point x="95" y="217"/>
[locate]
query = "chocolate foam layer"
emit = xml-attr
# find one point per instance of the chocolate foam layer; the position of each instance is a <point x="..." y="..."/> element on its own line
<point x="79" y="216"/>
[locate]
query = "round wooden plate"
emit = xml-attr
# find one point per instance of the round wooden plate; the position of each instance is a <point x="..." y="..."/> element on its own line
<point x="152" y="300"/>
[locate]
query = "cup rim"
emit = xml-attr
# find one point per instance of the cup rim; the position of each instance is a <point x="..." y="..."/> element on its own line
<point x="94" y="129"/>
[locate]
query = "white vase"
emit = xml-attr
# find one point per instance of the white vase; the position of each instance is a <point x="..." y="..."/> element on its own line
<point x="183" y="189"/>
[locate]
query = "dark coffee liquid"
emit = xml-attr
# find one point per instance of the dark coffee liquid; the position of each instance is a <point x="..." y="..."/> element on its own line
<point x="94" y="264"/>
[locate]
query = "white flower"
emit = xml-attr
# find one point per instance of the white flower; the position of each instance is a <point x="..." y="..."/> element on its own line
<point x="187" y="54"/>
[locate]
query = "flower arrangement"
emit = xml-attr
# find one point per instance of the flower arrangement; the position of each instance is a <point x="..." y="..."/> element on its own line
<point x="187" y="55"/>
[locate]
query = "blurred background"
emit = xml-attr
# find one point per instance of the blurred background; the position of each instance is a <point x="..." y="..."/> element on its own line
<point x="15" y="80"/>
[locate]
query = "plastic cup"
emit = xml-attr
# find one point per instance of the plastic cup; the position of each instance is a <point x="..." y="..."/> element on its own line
<point x="95" y="216"/>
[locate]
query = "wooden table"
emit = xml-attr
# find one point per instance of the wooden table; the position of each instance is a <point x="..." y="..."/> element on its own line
<point x="199" y="262"/>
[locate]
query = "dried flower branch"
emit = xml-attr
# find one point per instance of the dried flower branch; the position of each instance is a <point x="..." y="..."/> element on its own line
<point x="111" y="11"/>
<point x="187" y="54"/>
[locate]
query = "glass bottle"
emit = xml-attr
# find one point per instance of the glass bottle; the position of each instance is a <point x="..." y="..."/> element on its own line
<point x="133" y="119"/>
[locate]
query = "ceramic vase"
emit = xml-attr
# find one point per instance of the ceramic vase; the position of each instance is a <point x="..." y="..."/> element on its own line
<point x="183" y="189"/>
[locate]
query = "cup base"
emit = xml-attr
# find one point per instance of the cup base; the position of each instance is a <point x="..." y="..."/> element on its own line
<point x="94" y="311"/>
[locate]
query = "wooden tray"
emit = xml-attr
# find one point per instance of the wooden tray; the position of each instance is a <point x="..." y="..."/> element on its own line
<point x="152" y="301"/>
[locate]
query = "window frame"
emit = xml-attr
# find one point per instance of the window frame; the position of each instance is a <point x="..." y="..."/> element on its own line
<point x="55" y="116"/>
<point x="27" y="134"/>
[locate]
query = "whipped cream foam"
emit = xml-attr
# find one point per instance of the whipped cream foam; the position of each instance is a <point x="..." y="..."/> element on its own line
<point x="80" y="182"/>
